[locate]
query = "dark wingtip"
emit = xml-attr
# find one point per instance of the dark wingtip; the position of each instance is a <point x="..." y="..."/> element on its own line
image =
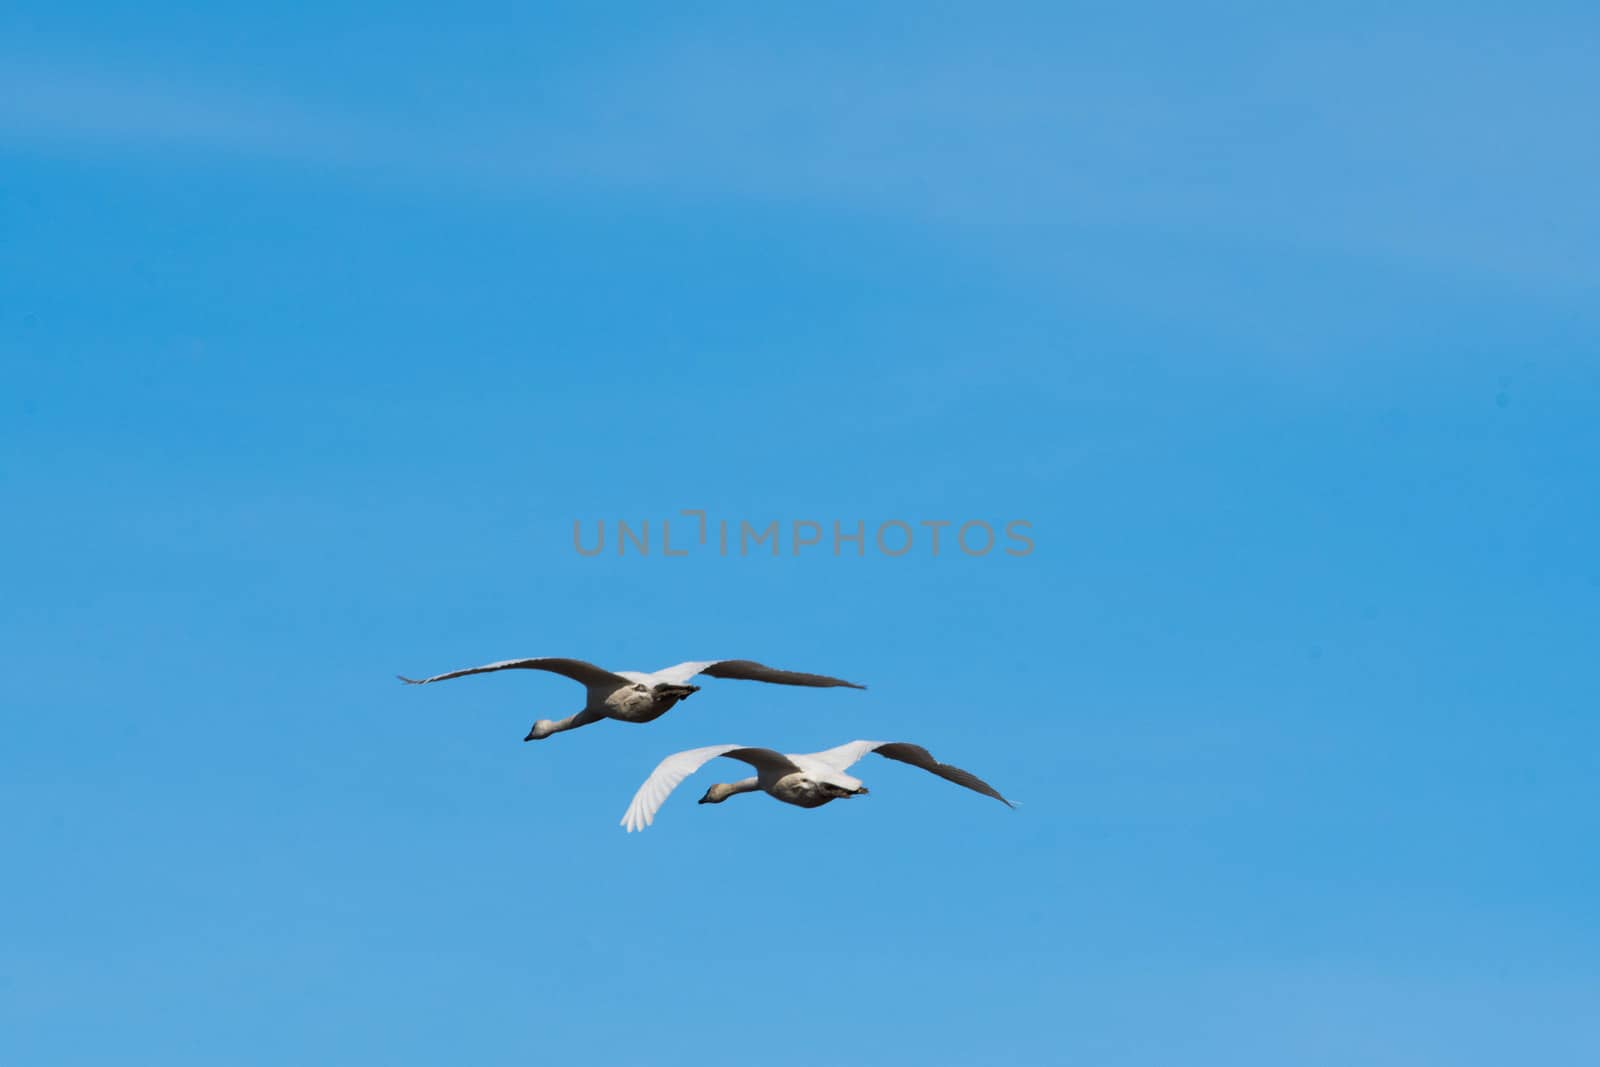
<point x="409" y="681"/>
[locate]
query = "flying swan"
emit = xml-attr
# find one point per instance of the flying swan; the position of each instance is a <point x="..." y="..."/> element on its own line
<point x="807" y="781"/>
<point x="632" y="696"/>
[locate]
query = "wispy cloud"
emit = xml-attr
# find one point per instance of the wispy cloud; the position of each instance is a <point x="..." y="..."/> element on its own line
<point x="1463" y="158"/>
<point x="1416" y="148"/>
<point x="97" y="110"/>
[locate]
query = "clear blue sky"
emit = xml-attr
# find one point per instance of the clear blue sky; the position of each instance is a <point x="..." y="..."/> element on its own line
<point x="320" y="330"/>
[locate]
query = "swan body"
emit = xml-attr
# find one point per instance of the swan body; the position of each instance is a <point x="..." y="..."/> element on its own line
<point x="806" y="781"/>
<point x="635" y="696"/>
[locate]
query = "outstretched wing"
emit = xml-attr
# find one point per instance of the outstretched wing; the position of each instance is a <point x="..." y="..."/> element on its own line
<point x="918" y="756"/>
<point x="587" y="673"/>
<point x="678" y="766"/>
<point x="749" y="671"/>
<point x="846" y="755"/>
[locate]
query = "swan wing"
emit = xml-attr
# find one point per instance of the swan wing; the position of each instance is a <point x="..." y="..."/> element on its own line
<point x="678" y="766"/>
<point x="588" y="674"/>
<point x="844" y="756"/>
<point x="749" y="671"/>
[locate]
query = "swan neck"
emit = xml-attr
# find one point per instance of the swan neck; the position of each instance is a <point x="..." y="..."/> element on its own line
<point x="723" y="790"/>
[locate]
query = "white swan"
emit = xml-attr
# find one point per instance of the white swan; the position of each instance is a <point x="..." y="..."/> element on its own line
<point x="807" y="781"/>
<point x="631" y="696"/>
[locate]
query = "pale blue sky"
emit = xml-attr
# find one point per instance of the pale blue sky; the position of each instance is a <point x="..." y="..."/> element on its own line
<point x="319" y="331"/>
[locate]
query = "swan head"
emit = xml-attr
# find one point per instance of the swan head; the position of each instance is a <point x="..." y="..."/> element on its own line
<point x="718" y="793"/>
<point x="541" y="730"/>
